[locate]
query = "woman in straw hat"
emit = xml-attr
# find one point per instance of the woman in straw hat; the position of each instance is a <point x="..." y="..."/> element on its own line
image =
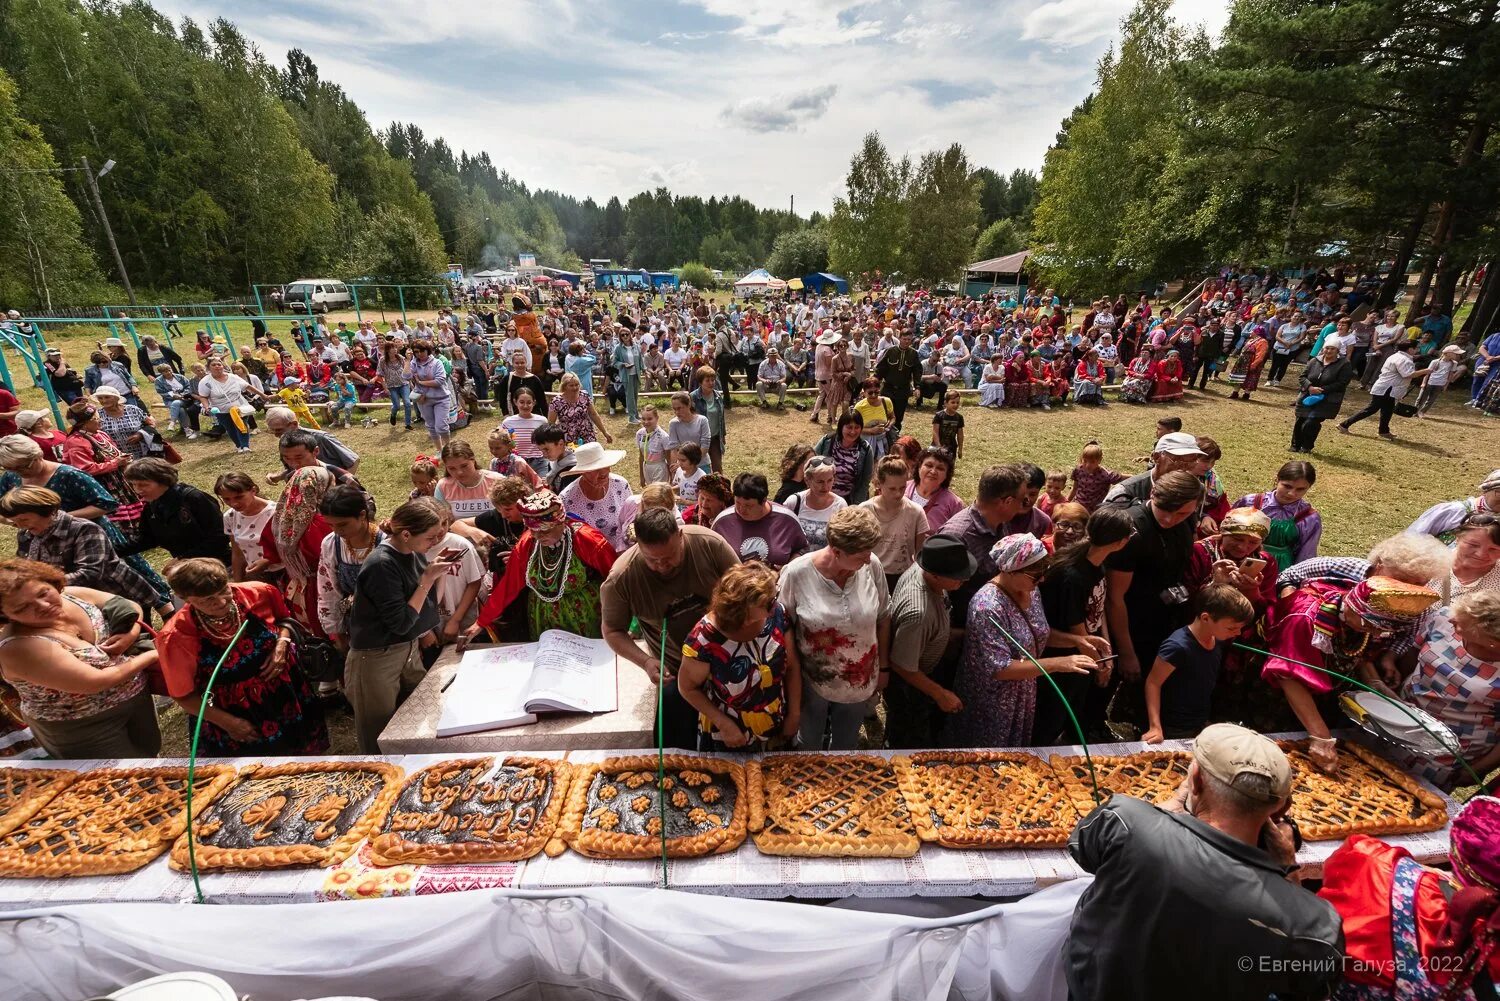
<point x="597" y="496"/>
<point x="1334" y="627"/>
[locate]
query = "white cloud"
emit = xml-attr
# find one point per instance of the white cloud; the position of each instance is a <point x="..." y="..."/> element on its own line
<point x="785" y="113"/>
<point x="797" y="23"/>
<point x="761" y="98"/>
<point x="1070" y="23"/>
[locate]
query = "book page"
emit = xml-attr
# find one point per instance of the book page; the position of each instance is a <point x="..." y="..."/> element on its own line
<point x="571" y="672"/>
<point x="489" y="690"/>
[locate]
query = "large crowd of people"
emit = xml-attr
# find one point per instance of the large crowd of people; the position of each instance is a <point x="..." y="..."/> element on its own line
<point x="859" y="601"/>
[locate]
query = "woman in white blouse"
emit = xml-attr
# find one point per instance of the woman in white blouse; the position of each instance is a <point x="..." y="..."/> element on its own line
<point x="837" y="602"/>
<point x="223" y="394"/>
<point x="246" y="519"/>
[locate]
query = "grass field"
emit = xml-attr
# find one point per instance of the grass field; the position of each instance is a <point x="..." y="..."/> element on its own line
<point x="1367" y="487"/>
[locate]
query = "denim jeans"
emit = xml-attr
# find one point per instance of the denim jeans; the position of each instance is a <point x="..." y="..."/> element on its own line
<point x="400" y="395"/>
<point x="240" y="438"/>
<point x="184" y="413"/>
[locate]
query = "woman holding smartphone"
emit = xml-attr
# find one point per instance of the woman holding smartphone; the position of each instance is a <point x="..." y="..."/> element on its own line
<point x="394" y="616"/>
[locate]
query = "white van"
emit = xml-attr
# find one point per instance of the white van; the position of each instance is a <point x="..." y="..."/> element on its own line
<point x="317" y="295"/>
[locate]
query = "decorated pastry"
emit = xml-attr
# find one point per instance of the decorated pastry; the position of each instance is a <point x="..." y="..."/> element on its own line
<point x="24" y="791"/>
<point x="1149" y="775"/>
<point x="985" y="799"/>
<point x="829" y="805"/>
<point x="474" y="810"/>
<point x="311" y="813"/>
<point x="1366" y="795"/>
<point x="108" y="821"/>
<point x="701" y="802"/>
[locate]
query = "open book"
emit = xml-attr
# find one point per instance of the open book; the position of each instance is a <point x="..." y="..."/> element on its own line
<point x="508" y="685"/>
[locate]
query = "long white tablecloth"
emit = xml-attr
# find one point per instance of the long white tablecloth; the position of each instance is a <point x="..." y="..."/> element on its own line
<point x="745" y="872"/>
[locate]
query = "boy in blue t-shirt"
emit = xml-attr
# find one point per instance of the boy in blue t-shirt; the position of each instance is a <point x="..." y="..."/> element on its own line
<point x="1180" y="687"/>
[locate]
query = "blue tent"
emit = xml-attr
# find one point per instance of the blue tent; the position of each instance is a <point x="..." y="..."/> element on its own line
<point x="821" y="281"/>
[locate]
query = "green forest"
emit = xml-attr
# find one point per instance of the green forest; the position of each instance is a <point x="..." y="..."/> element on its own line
<point x="232" y="170"/>
<point x="1306" y="133"/>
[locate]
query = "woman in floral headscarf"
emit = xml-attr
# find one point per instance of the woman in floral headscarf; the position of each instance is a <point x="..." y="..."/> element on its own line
<point x="996" y="681"/>
<point x="294" y="538"/>
<point x="1017" y="381"/>
<point x="1340" y="628"/>
<point x="1244" y="374"/>
<point x="1416" y="933"/>
<point x="557" y="567"/>
<point x="1138" y="382"/>
<point x="1166" y="379"/>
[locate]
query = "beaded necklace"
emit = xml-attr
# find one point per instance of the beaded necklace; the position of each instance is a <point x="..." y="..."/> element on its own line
<point x="220" y="627"/>
<point x="546" y="579"/>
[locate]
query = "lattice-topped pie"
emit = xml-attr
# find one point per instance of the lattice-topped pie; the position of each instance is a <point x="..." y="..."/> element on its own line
<point x="311" y="813"/>
<point x="474" y="810"/>
<point x="108" y="821"/>
<point x="616" y="808"/>
<point x="1149" y="775"/>
<point x="829" y="805"/>
<point x="985" y="799"/>
<point x="1367" y="795"/>
<point x="24" y="791"/>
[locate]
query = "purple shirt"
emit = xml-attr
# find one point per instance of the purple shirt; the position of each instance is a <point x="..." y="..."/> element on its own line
<point x="943" y="505"/>
<point x="774" y="540"/>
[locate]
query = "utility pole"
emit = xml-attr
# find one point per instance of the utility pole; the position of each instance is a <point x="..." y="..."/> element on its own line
<point x="794" y="205"/>
<point x="109" y="233"/>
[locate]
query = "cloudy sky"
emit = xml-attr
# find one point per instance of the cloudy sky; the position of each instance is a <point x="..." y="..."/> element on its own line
<point x="763" y="98"/>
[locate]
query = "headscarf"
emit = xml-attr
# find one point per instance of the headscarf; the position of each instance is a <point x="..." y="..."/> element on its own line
<point x="541" y="509"/>
<point x="1245" y="521"/>
<point x="1017" y="552"/>
<point x="1472" y="934"/>
<point x="294" y="513"/>
<point x="1388" y="603"/>
<point x="1475" y="843"/>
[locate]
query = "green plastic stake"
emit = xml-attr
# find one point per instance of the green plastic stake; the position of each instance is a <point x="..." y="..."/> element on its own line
<point x="661" y="735"/>
<point x="1077" y="728"/>
<point x="208" y="701"/>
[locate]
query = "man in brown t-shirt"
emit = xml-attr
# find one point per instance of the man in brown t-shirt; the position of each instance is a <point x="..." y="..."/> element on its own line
<point x="666" y="578"/>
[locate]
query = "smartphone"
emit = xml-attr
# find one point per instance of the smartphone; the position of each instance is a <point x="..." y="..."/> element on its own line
<point x="1251" y="566"/>
<point x="449" y="555"/>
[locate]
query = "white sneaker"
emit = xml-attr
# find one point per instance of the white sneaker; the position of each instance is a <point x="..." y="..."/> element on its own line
<point x="192" y="435"/>
<point x="243" y="450"/>
<point x="171" y="426"/>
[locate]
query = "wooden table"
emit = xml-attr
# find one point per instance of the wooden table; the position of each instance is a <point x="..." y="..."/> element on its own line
<point x="413" y="730"/>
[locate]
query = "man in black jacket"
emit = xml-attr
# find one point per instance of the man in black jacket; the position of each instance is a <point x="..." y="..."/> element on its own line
<point x="1199" y="898"/>
<point x="897" y="369"/>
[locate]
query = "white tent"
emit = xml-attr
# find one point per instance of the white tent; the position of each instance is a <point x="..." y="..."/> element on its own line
<point x="759" y="281"/>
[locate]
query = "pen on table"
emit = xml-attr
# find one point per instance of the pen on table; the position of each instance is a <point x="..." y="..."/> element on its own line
<point x="449" y="683"/>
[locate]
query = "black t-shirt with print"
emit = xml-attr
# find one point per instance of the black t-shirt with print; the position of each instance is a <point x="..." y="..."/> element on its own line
<point x="948" y="426"/>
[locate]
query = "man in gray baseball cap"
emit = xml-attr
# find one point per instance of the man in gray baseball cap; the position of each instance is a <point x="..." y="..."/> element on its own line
<point x="1198" y="897"/>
